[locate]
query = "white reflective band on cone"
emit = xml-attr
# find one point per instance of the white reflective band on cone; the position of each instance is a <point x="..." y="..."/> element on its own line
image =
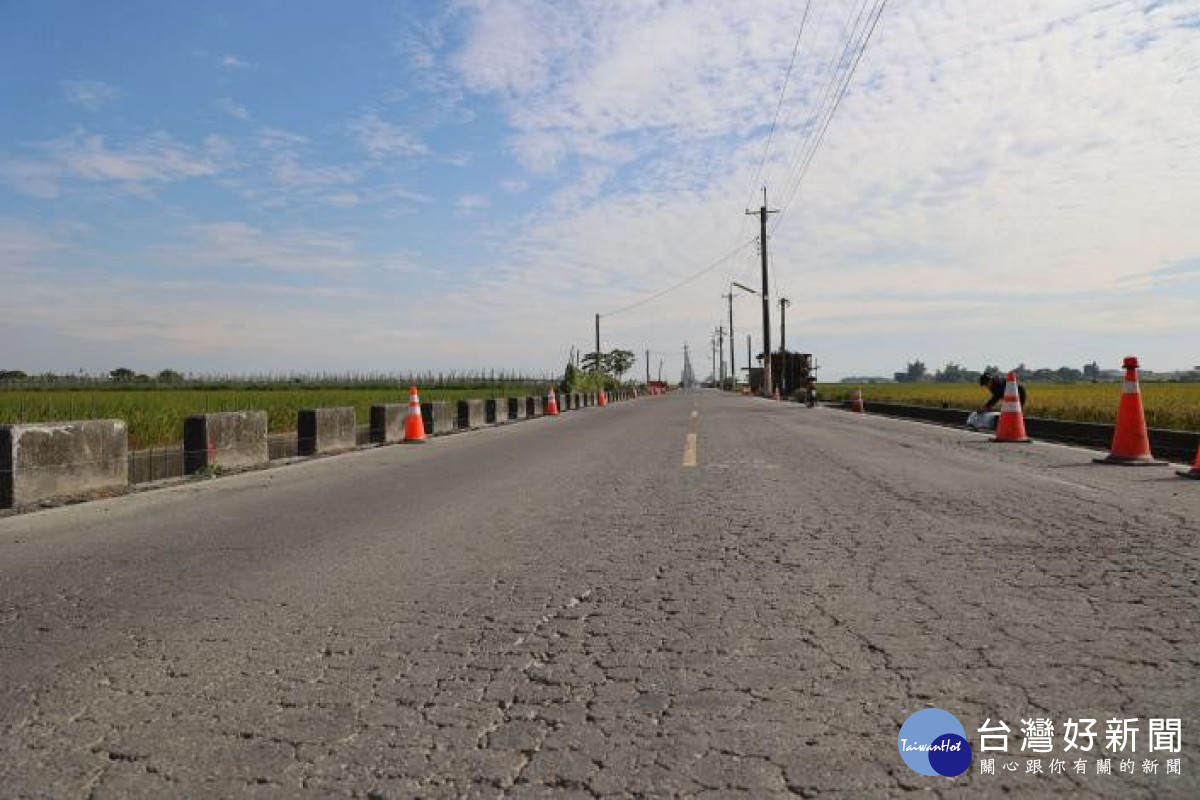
<point x="1009" y="407"/>
<point x="1130" y="387"/>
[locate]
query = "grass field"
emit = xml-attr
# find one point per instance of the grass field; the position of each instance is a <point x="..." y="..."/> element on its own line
<point x="1168" y="405"/>
<point x="155" y="416"/>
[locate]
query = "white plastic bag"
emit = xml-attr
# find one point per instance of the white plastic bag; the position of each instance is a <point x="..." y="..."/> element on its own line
<point x="983" y="420"/>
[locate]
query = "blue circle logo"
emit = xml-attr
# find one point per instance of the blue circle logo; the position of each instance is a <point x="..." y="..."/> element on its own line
<point x="933" y="742"/>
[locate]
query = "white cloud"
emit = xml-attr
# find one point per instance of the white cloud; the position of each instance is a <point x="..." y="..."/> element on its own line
<point x="1007" y="150"/>
<point x="84" y="157"/>
<point x="238" y="244"/>
<point x="382" y="139"/>
<point x="233" y="109"/>
<point x="514" y="186"/>
<point x="91" y="95"/>
<point x="467" y="204"/>
<point x="232" y="61"/>
<point x="23" y="244"/>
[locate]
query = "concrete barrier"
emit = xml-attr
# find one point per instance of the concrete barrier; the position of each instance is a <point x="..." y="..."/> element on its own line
<point x="534" y="407"/>
<point x="227" y="440"/>
<point x="1178" y="446"/>
<point x="471" y="414"/>
<point x="387" y="423"/>
<point x="518" y="407"/>
<point x="326" y="430"/>
<point x="439" y="418"/>
<point x="496" y="411"/>
<point x="576" y="400"/>
<point x="38" y="462"/>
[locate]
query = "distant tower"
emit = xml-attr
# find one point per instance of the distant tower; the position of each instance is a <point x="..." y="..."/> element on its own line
<point x="688" y="379"/>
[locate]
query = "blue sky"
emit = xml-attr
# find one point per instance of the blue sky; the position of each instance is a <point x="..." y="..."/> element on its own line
<point x="395" y="185"/>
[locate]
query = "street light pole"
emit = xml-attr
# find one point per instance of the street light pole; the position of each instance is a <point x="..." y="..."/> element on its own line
<point x="732" y="368"/>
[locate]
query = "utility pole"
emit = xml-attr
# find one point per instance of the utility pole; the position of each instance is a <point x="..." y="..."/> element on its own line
<point x="783" y="304"/>
<point x="713" y="341"/>
<point x="647" y="369"/>
<point x="762" y="213"/>
<point x="732" y="373"/>
<point x="688" y="377"/>
<point x="660" y="370"/>
<point x="749" y="360"/>
<point x="721" y="340"/>
<point x="597" y="342"/>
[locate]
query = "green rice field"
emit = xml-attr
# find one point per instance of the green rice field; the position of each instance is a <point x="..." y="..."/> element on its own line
<point x="1168" y="405"/>
<point x="155" y="416"/>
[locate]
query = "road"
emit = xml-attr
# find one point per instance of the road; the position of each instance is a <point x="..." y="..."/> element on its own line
<point x="562" y="607"/>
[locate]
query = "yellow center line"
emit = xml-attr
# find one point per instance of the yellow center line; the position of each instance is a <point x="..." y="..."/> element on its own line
<point x="689" y="451"/>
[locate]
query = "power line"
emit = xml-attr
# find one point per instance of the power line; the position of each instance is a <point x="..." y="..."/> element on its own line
<point x="775" y="119"/>
<point x="778" y="106"/>
<point x="832" y="70"/>
<point x="709" y="268"/>
<point x="864" y="40"/>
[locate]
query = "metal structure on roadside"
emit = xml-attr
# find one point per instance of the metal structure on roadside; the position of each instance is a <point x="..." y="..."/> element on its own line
<point x="792" y="369"/>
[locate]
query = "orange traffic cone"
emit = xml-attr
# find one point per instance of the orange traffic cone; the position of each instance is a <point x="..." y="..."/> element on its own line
<point x="1130" y="442"/>
<point x="551" y="404"/>
<point x="602" y="399"/>
<point x="1011" y="426"/>
<point x="856" y="402"/>
<point x="1194" y="472"/>
<point x="775" y="393"/>
<point x="414" y="426"/>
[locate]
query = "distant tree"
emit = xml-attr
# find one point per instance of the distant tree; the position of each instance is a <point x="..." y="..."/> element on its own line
<point x="122" y="375"/>
<point x="169" y="376"/>
<point x="1091" y="371"/>
<point x="593" y="362"/>
<point x="618" y="362"/>
<point x="951" y="373"/>
<point x="1068" y="375"/>
<point x="12" y="375"/>
<point x="914" y="371"/>
<point x="568" y="378"/>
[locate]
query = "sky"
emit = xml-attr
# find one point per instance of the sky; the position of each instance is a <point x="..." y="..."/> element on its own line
<point x="391" y="186"/>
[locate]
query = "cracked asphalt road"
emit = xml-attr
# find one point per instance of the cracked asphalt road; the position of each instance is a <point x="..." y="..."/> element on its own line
<point x="561" y="608"/>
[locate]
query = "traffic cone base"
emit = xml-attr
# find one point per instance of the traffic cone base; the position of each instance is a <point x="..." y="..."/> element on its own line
<point x="1123" y="461"/>
<point x="1010" y="428"/>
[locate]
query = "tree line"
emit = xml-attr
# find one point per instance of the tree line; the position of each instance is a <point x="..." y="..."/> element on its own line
<point x="916" y="372"/>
